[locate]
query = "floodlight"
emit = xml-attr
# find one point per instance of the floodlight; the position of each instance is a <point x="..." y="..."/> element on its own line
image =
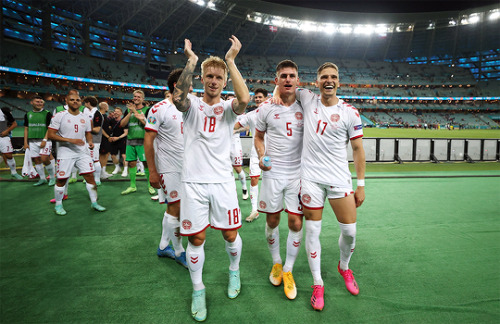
<point x="345" y="29"/>
<point x="494" y="14"/>
<point x="474" y="18"/>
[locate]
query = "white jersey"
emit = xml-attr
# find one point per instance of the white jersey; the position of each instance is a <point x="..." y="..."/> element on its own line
<point x="70" y="126"/>
<point x="284" y="127"/>
<point x="164" y="119"/>
<point x="208" y="131"/>
<point x="250" y="119"/>
<point x="326" y="135"/>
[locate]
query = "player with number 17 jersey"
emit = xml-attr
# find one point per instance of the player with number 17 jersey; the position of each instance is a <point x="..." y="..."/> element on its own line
<point x="70" y="126"/>
<point x="327" y="132"/>
<point x="284" y="127"/>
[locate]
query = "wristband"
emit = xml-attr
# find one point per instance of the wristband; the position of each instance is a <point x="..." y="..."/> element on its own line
<point x="360" y="183"/>
<point x="44" y="140"/>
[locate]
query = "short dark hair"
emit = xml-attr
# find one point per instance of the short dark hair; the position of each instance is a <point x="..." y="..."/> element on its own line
<point x="261" y="90"/>
<point x="36" y="97"/>
<point x="91" y="100"/>
<point x="173" y="77"/>
<point x="286" y="63"/>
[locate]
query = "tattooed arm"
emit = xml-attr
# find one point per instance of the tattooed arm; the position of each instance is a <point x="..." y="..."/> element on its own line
<point x="181" y="91"/>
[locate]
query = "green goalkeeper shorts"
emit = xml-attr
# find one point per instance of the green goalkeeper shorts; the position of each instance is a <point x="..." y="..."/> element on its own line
<point x="134" y="152"/>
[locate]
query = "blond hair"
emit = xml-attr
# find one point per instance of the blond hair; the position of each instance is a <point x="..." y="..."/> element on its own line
<point x="216" y="62"/>
<point x="327" y="65"/>
<point x="140" y="92"/>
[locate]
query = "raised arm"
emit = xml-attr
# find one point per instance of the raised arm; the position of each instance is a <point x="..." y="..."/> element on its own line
<point x="239" y="86"/>
<point x="179" y="97"/>
<point x="358" y="153"/>
<point x="131" y="110"/>
<point x="260" y="148"/>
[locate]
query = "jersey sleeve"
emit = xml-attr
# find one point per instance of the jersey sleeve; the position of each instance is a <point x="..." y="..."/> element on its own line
<point x="260" y="120"/>
<point x="48" y="118"/>
<point x="355" y="126"/>
<point x="304" y="96"/>
<point x="97" y="119"/>
<point x="55" y="123"/>
<point x="8" y="116"/>
<point x="153" y="119"/>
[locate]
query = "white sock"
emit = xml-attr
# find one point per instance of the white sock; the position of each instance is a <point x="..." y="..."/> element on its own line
<point x="195" y="256"/>
<point x="243" y="180"/>
<point x="125" y="169"/>
<point x="233" y="250"/>
<point x="254" y="196"/>
<point x="12" y="165"/>
<point x="313" y="248"/>
<point x="66" y="188"/>
<point x="173" y="233"/>
<point x="73" y="173"/>
<point x="292" y="249"/>
<point x="53" y="164"/>
<point x="92" y="189"/>
<point x="51" y="169"/>
<point x="165" y="239"/>
<point x="41" y="171"/>
<point x="117" y="166"/>
<point x="347" y="242"/>
<point x="140" y="166"/>
<point x="58" y="194"/>
<point x="97" y="172"/>
<point x="273" y="243"/>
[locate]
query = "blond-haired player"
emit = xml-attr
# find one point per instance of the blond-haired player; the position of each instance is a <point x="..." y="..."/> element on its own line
<point x="208" y="188"/>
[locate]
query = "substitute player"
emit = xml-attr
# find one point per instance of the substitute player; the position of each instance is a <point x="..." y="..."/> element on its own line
<point x="164" y="123"/>
<point x="249" y="120"/>
<point x="70" y="128"/>
<point x="96" y="121"/>
<point x="36" y="123"/>
<point x="7" y="124"/>
<point x="283" y="125"/>
<point x="208" y="189"/>
<point x="135" y="119"/>
<point x="330" y="123"/>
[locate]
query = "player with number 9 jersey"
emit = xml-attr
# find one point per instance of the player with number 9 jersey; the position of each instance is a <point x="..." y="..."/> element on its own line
<point x="70" y="126"/>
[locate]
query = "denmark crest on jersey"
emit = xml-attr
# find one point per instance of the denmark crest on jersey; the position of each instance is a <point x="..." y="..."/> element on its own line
<point x="298" y="115"/>
<point x="335" y="118"/>
<point x="218" y="110"/>
<point x="306" y="199"/>
<point x="173" y="194"/>
<point x="82" y="121"/>
<point x="262" y="204"/>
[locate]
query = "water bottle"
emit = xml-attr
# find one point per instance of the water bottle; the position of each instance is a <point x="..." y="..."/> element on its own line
<point x="266" y="161"/>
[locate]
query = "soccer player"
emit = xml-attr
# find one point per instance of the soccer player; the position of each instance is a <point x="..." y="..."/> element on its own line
<point x="237" y="159"/>
<point x="330" y="123"/>
<point x="7" y="124"/>
<point x="208" y="189"/>
<point x="70" y="128"/>
<point x="73" y="178"/>
<point x="248" y="120"/>
<point x="164" y="123"/>
<point x="136" y="120"/>
<point x="96" y="121"/>
<point x="283" y="127"/>
<point x="36" y="123"/>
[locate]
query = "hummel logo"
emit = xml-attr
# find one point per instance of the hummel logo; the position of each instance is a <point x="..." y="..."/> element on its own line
<point x="194" y="260"/>
<point x="296" y="244"/>
<point x="270" y="241"/>
<point x="316" y="110"/>
<point x="177" y="234"/>
<point x="276" y="116"/>
<point x="314" y="255"/>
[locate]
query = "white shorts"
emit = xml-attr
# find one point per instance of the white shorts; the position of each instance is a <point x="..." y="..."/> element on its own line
<point x="6" y="145"/>
<point x="94" y="153"/>
<point x="255" y="170"/>
<point x="36" y="151"/>
<point x="209" y="204"/>
<point x="83" y="163"/>
<point x="171" y="186"/>
<point x="236" y="152"/>
<point x="274" y="191"/>
<point x="313" y="194"/>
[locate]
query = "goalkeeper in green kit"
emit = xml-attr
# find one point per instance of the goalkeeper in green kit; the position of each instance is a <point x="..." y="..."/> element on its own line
<point x="135" y="119"/>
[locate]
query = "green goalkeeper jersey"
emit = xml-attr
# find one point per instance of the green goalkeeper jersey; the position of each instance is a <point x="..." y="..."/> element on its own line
<point x="135" y="127"/>
<point x="37" y="123"/>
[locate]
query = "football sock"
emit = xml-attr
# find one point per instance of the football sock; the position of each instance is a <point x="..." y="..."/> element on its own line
<point x="243" y="180"/>
<point x="92" y="189"/>
<point x="173" y="233"/>
<point x="195" y="256"/>
<point x="51" y="169"/>
<point x="97" y="173"/>
<point x="41" y="171"/>
<point x="132" y="174"/>
<point x="273" y="243"/>
<point x="59" y="194"/>
<point x="233" y="250"/>
<point x="313" y="249"/>
<point x="292" y="249"/>
<point x="165" y="239"/>
<point x="254" y="196"/>
<point x="12" y="165"/>
<point x="347" y="242"/>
